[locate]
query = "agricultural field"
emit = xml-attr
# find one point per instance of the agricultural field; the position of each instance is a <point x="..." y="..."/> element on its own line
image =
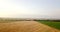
<point x="36" y="25"/>
<point x="25" y="26"/>
<point x="54" y="24"/>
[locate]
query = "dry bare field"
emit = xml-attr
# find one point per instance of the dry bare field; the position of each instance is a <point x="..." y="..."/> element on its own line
<point x="25" y="26"/>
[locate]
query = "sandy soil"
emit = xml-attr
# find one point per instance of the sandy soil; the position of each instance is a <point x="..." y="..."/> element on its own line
<point x="26" y="26"/>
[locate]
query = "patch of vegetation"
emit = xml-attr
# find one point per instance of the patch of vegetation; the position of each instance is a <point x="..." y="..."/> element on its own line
<point x="52" y="23"/>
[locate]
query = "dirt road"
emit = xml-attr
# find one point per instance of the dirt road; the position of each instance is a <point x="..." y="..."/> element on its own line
<point x="26" y="26"/>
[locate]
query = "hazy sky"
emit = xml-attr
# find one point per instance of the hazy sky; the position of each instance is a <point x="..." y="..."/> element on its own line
<point x="30" y="8"/>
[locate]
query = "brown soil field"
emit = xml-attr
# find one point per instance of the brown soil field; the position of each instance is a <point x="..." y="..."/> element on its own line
<point x="25" y="26"/>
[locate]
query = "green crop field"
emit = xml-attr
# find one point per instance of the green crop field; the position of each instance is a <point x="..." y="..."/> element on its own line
<point x="51" y="24"/>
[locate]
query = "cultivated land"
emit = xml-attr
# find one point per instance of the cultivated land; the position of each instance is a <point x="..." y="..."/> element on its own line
<point x="25" y="26"/>
<point x="51" y="23"/>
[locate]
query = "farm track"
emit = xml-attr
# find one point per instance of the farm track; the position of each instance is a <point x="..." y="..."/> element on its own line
<point x="25" y="26"/>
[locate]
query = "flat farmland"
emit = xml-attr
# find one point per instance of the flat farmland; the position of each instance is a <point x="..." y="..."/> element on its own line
<point x="25" y="26"/>
<point x="51" y="24"/>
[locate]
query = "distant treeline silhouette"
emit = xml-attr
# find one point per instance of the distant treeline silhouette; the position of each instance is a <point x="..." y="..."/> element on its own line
<point x="13" y="19"/>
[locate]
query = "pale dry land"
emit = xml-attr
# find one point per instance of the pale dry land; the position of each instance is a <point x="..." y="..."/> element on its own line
<point x="25" y="26"/>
